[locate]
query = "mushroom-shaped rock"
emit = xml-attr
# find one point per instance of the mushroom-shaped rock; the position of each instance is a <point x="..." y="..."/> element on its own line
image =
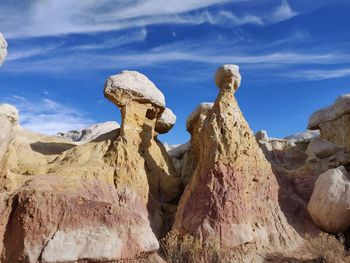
<point x="3" y="49"/>
<point x="166" y="121"/>
<point x="330" y="201"/>
<point x="133" y="84"/>
<point x="228" y="76"/>
<point x="334" y="122"/>
<point x="233" y="194"/>
<point x="142" y="165"/>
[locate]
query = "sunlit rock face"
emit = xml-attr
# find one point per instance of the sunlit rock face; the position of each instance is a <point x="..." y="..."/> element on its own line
<point x="103" y="200"/>
<point x="233" y="193"/>
<point x="330" y="201"/>
<point x="3" y="48"/>
<point x="334" y="122"/>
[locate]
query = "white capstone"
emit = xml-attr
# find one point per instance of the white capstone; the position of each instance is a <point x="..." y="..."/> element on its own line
<point x="136" y="84"/>
<point x="166" y="121"/>
<point x="228" y="75"/>
<point x="3" y="48"/>
<point x="202" y="108"/>
<point x="340" y="107"/>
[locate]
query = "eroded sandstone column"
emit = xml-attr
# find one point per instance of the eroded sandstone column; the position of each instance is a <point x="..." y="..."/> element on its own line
<point x="143" y="170"/>
<point x="140" y="103"/>
<point x="233" y="194"/>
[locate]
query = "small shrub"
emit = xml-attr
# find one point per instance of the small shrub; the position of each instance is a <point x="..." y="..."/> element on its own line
<point x="328" y="248"/>
<point x="188" y="249"/>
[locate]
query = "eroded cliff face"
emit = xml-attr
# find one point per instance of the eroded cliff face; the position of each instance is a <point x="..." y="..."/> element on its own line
<point x="104" y="200"/>
<point x="233" y="194"/>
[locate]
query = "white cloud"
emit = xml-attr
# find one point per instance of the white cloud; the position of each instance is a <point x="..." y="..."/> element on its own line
<point x="282" y="13"/>
<point x="321" y="74"/>
<point x="51" y="17"/>
<point x="48" y="116"/>
<point x="127" y="38"/>
<point x="28" y="52"/>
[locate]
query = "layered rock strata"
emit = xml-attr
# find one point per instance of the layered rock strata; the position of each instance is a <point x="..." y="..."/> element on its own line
<point x="233" y="194"/>
<point x="104" y="200"/>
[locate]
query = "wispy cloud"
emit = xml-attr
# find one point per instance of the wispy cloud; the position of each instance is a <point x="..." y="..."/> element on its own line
<point x="314" y="75"/>
<point x="49" y="18"/>
<point x="282" y="13"/>
<point x="48" y="116"/>
<point x="127" y="38"/>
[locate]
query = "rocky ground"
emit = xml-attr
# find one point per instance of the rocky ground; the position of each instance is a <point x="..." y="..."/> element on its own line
<point x="111" y="193"/>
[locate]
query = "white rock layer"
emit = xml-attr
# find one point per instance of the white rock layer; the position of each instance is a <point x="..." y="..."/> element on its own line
<point x="202" y="108"/>
<point x="340" y="107"/>
<point x="90" y="133"/>
<point x="10" y="112"/>
<point x="138" y="85"/>
<point x="166" y="121"/>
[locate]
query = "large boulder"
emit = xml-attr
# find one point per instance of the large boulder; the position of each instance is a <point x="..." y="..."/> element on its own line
<point x="3" y="48"/>
<point x="334" y="121"/>
<point x="232" y="196"/>
<point x="330" y="201"/>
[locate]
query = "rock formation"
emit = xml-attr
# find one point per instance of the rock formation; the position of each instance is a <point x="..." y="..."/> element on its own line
<point x="95" y="201"/>
<point x="8" y="119"/>
<point x="88" y="134"/>
<point x="165" y="122"/>
<point x="334" y="122"/>
<point x="141" y="161"/>
<point x="233" y="193"/>
<point x="3" y="49"/>
<point x="330" y="201"/>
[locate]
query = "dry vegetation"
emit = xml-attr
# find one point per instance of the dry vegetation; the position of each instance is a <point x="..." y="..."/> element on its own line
<point x="324" y="248"/>
<point x="329" y="249"/>
<point x="188" y="249"/>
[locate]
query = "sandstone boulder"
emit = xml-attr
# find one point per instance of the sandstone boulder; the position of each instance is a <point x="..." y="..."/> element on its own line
<point x="135" y="85"/>
<point x="3" y="49"/>
<point x="334" y="122"/>
<point x="233" y="194"/>
<point x="330" y="201"/>
<point x="88" y="134"/>
<point x="166" y="121"/>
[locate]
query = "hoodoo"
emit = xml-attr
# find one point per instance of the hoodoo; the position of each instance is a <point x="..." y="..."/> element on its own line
<point x="233" y="194"/>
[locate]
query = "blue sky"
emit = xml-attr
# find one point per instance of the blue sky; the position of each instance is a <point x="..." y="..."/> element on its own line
<point x="294" y="57"/>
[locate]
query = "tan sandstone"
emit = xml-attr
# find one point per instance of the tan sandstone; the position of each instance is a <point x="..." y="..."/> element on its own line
<point x="233" y="193"/>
